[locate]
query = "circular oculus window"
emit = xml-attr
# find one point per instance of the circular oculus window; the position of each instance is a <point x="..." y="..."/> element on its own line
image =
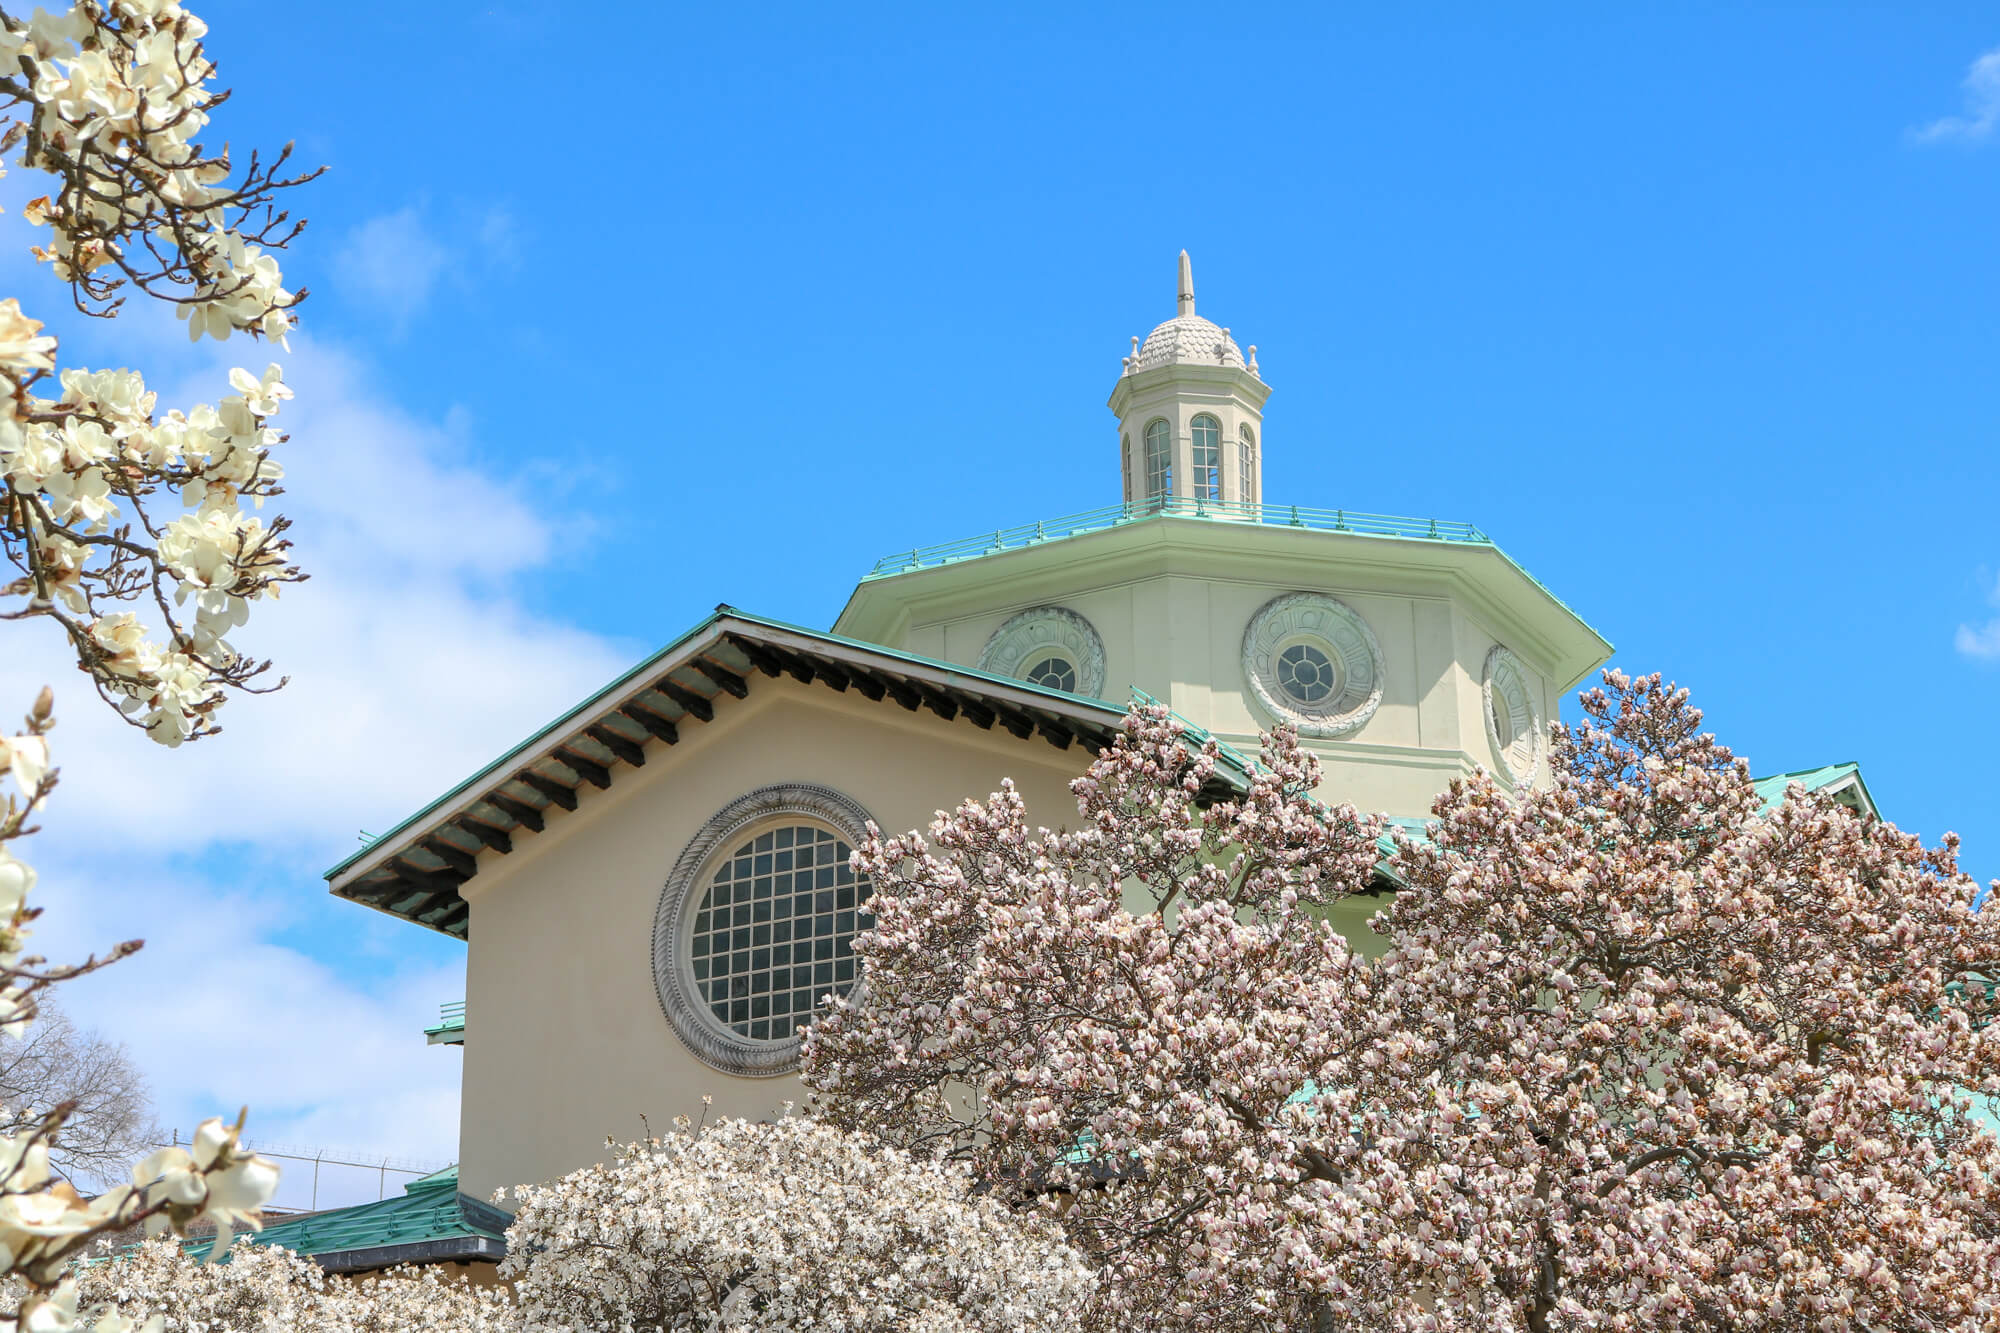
<point x="1054" y="672"/>
<point x="1306" y="674"/>
<point x="756" y="926"/>
<point x="1513" y="727"/>
<point x="1314" y="662"/>
<point x="1050" y="646"/>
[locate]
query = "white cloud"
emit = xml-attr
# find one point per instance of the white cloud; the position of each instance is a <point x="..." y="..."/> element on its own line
<point x="1982" y="105"/>
<point x="392" y="262"/>
<point x="410" y="664"/>
<point x="499" y="238"/>
<point x="220" y="1015"/>
<point x="1981" y="642"/>
<point x="413" y="663"/>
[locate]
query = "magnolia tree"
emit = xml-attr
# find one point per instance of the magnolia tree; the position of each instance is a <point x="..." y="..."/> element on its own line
<point x="790" y="1225"/>
<point x="265" y="1289"/>
<point x="130" y="530"/>
<point x="1142" y="1019"/>
<point x="1640" y="1054"/>
<point x="1649" y="1056"/>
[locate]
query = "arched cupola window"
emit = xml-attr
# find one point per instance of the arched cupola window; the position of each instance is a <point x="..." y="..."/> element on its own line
<point x="1159" y="459"/>
<point x="1248" y="493"/>
<point x="1207" y="458"/>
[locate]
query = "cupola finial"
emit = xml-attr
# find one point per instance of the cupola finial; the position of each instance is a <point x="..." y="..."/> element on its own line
<point x="1187" y="286"/>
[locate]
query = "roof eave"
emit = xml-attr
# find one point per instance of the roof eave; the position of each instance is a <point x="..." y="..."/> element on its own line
<point x="414" y="872"/>
<point x="449" y="1249"/>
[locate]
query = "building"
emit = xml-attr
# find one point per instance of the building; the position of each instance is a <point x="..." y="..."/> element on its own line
<point x="654" y="889"/>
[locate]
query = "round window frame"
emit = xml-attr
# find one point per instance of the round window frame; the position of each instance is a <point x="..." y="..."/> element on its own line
<point x="1330" y="655"/>
<point x="1336" y="629"/>
<point x="1053" y="652"/>
<point x="1025" y="637"/>
<point x="713" y="1042"/>
<point x="1514" y="769"/>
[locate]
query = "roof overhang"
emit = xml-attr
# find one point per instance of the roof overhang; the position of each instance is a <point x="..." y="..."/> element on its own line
<point x="1477" y="574"/>
<point x="1843" y="782"/>
<point x="451" y="1249"/>
<point x="415" y="871"/>
<point x="1187" y="378"/>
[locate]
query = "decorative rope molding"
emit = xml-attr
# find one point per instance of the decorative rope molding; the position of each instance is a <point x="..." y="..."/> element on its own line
<point x="1023" y="638"/>
<point x="1335" y="629"/>
<point x="1506" y="693"/>
<point x="713" y="1042"/>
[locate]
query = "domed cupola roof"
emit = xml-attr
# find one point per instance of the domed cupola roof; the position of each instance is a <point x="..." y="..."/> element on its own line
<point x="1187" y="339"/>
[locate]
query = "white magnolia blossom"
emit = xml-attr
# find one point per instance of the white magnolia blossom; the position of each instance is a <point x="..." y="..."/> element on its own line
<point x="44" y="1224"/>
<point x="107" y="98"/>
<point x="793" y="1225"/>
<point x="266" y="1289"/>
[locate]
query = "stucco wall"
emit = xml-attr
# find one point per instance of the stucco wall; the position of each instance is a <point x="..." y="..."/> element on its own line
<point x="572" y="1045"/>
<point x="1179" y="637"/>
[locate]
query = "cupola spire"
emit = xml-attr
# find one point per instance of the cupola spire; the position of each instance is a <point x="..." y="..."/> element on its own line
<point x="1191" y="414"/>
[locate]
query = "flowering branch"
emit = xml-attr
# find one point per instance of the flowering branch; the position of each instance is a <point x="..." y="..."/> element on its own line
<point x="107" y="98"/>
<point x="1639" y="1053"/>
<point x="44" y="1223"/>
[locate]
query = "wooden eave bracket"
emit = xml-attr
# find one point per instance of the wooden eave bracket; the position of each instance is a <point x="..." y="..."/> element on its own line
<point x="409" y="885"/>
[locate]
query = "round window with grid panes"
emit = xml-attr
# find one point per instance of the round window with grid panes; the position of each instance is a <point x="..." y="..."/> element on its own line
<point x="775" y="930"/>
<point x="757" y="924"/>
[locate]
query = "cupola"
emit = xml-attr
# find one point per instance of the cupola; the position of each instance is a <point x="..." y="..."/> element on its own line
<point x="1190" y="409"/>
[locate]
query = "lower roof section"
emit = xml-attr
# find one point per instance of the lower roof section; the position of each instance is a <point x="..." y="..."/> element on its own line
<point x="1840" y="781"/>
<point x="416" y="869"/>
<point x="431" y="1223"/>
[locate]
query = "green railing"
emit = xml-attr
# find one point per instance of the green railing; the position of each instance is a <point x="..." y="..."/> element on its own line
<point x="451" y="1018"/>
<point x="1277" y="516"/>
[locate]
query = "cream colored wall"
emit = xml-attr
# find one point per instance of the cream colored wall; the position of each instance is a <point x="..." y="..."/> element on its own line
<point x="572" y="1044"/>
<point x="1179" y="637"/>
<point x="1178" y="394"/>
<point x="1475" y="641"/>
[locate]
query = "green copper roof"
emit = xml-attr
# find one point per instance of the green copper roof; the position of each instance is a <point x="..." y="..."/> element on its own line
<point x="424" y="1223"/>
<point x="1771" y="790"/>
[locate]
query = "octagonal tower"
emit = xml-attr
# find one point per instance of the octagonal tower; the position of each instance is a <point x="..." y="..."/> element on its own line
<point x="1404" y="650"/>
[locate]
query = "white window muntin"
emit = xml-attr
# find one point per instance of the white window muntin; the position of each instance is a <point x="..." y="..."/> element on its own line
<point x="1026" y="639"/>
<point x="1207" y="441"/>
<point x="1335" y="630"/>
<point x="1247" y="458"/>
<point x="1159" y="458"/>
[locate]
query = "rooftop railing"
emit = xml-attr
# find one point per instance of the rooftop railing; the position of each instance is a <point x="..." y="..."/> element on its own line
<point x="1134" y="511"/>
<point x="451" y="1018"/>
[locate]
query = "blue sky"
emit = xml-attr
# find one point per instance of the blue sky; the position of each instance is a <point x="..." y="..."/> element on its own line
<point x="1693" y="310"/>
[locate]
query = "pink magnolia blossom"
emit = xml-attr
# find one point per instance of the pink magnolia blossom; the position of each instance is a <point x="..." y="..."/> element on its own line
<point x="1640" y="1054"/>
<point x="1142" y="1018"/>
